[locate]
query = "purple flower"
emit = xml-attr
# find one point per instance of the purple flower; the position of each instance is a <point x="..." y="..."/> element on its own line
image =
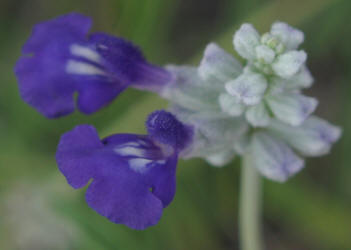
<point x="60" y="59"/>
<point x="133" y="175"/>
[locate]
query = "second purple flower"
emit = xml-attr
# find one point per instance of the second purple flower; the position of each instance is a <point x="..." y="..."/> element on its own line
<point x="133" y="175"/>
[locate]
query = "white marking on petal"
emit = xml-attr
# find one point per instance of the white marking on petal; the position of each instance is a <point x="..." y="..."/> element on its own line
<point x="85" y="52"/>
<point x="129" y="144"/>
<point x="130" y="151"/>
<point x="160" y="161"/>
<point x="139" y="164"/>
<point x="136" y="156"/>
<point x="82" y="68"/>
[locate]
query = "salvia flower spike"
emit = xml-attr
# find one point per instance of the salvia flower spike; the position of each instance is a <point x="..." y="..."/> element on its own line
<point x="217" y="111"/>
<point x="256" y="108"/>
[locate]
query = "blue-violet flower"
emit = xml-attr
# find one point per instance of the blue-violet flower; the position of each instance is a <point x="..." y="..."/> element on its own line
<point x="61" y="59"/>
<point x="133" y="175"/>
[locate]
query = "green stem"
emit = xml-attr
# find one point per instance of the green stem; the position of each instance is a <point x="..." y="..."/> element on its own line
<point x="250" y="207"/>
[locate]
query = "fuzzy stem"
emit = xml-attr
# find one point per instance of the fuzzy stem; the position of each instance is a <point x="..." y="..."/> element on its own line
<point x="250" y="207"/>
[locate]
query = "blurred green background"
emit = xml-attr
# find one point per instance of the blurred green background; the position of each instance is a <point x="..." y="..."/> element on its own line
<point x="38" y="210"/>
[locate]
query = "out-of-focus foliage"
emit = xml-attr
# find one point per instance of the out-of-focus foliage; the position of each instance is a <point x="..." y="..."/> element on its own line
<point x="311" y="211"/>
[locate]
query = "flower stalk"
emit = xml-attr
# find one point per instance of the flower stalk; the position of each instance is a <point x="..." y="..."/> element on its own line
<point x="250" y="207"/>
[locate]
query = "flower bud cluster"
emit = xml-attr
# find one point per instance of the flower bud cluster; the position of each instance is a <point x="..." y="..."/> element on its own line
<point x="272" y="79"/>
<point x="256" y="108"/>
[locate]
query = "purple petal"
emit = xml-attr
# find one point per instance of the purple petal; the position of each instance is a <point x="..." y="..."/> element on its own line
<point x="95" y="94"/>
<point x="163" y="127"/>
<point x="53" y="99"/>
<point x="163" y="179"/>
<point x="68" y="28"/>
<point x="74" y="153"/>
<point x="123" y="203"/>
